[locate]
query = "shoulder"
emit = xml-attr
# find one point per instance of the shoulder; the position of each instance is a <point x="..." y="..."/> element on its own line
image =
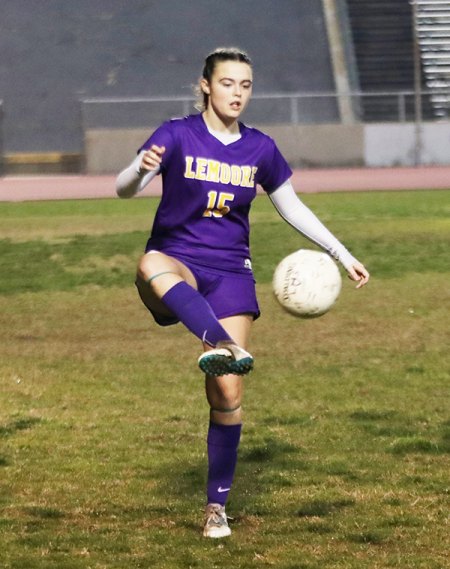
<point x="257" y="136"/>
<point x="179" y="124"/>
<point x="170" y="131"/>
<point x="175" y="129"/>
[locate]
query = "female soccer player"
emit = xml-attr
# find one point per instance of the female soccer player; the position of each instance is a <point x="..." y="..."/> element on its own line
<point x="196" y="268"/>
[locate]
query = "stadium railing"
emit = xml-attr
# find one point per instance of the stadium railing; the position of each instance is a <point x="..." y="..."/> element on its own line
<point x="387" y="128"/>
<point x="270" y="108"/>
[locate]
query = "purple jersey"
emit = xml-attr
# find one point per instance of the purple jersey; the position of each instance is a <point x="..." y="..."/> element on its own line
<point x="207" y="191"/>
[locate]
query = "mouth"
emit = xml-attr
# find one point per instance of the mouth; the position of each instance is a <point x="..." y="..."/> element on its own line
<point x="236" y="105"/>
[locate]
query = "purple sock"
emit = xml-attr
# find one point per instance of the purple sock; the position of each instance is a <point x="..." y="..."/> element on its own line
<point x="223" y="442"/>
<point x="195" y="313"/>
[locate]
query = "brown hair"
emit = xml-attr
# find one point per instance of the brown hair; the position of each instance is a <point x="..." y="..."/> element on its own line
<point x="218" y="55"/>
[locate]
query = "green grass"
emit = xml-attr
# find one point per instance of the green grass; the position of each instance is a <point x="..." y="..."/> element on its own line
<point x="344" y="459"/>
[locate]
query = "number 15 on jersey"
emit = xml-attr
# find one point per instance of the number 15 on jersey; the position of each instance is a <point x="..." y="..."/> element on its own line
<point x="217" y="204"/>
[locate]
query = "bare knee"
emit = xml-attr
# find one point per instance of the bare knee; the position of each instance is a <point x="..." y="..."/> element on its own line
<point x="224" y="393"/>
<point x="225" y="404"/>
<point x="158" y="272"/>
<point x="162" y="272"/>
<point x="152" y="263"/>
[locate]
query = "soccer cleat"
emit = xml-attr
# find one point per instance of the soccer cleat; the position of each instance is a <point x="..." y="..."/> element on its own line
<point x="216" y="362"/>
<point x="226" y="358"/>
<point x="216" y="523"/>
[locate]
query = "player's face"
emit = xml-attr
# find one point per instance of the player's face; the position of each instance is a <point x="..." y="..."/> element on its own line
<point x="229" y="90"/>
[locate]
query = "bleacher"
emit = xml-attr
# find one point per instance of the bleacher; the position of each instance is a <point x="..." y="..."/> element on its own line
<point x="383" y="41"/>
<point x="433" y="30"/>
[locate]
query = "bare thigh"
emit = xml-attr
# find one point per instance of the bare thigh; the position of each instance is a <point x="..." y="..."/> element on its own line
<point x="163" y="272"/>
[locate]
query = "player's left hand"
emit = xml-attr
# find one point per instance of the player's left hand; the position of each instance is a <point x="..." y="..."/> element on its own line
<point x="358" y="272"/>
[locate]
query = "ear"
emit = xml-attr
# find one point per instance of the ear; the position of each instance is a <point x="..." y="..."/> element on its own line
<point x="204" y="86"/>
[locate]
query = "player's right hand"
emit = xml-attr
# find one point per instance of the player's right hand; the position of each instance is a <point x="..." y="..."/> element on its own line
<point x="152" y="158"/>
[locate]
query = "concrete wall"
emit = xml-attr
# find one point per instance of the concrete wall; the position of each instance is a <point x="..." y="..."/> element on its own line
<point x="317" y="146"/>
<point x="108" y="151"/>
<point x="388" y="144"/>
<point x="307" y="146"/>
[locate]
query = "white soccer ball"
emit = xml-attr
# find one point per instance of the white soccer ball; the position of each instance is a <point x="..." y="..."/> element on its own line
<point x="307" y="283"/>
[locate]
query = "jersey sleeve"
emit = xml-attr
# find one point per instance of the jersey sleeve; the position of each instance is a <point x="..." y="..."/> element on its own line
<point x="162" y="136"/>
<point x="274" y="170"/>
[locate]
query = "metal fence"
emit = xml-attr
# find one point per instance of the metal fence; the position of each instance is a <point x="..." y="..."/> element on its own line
<point x="271" y="108"/>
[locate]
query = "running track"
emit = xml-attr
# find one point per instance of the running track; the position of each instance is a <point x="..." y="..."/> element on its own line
<point x="28" y="188"/>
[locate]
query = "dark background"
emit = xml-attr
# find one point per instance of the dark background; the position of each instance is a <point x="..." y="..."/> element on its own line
<point x="56" y="52"/>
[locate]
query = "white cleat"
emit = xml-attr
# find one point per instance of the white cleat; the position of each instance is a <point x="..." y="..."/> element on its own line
<point x="216" y="523"/>
<point x="226" y="358"/>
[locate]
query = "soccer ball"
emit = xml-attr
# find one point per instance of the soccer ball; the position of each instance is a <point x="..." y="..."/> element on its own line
<point x="307" y="283"/>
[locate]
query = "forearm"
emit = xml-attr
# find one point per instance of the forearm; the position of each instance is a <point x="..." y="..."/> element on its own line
<point x="132" y="179"/>
<point x="297" y="214"/>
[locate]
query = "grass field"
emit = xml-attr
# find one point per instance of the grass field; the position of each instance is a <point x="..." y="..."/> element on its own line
<point x="344" y="460"/>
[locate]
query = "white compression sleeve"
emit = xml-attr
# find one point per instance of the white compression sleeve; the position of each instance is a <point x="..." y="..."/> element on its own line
<point x="297" y="214"/>
<point x="132" y="179"/>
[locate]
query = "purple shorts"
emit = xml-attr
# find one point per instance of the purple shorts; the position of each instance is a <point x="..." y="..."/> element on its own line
<point x="228" y="295"/>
